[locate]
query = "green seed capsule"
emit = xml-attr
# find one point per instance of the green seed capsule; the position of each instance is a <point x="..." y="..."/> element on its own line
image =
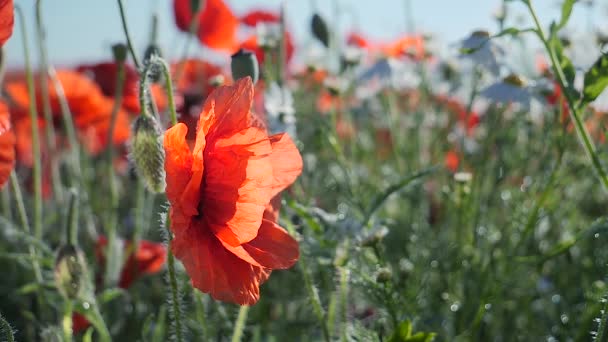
<point x="320" y="29"/>
<point x="244" y="63"/>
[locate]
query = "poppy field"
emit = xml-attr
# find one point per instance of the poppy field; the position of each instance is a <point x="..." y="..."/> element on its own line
<point x="326" y="187"/>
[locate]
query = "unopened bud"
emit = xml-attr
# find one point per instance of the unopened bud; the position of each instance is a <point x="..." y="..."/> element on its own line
<point x="374" y="238"/>
<point x="70" y="271"/>
<point x="384" y="275"/>
<point x="244" y="63"/>
<point x="147" y="153"/>
<point x="153" y="51"/>
<point x="120" y="52"/>
<point x="320" y="29"/>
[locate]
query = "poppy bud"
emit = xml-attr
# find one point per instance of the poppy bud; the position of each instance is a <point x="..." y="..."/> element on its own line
<point x="244" y="63"/>
<point x="384" y="275"/>
<point x="120" y="52"/>
<point x="320" y="29"/>
<point x="147" y="153"/>
<point x="70" y="271"/>
<point x="374" y="238"/>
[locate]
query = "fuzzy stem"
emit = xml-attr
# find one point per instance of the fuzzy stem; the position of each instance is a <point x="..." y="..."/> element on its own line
<point x="237" y="334"/>
<point x="72" y="224"/>
<point x="583" y="134"/>
<point x="168" y="88"/>
<point x="125" y="28"/>
<point x="175" y="299"/>
<point x="35" y="134"/>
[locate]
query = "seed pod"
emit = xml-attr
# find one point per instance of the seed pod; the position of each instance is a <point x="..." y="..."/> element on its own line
<point x="70" y="271"/>
<point x="147" y="153"/>
<point x="120" y="52"/>
<point x="244" y="63"/>
<point x="320" y="29"/>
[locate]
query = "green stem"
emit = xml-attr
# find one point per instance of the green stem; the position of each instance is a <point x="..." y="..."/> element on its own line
<point x="72" y="228"/>
<point x="168" y="88"/>
<point x="46" y="102"/>
<point x="66" y="322"/>
<point x="237" y="334"/>
<point x="581" y="130"/>
<point x="25" y="223"/>
<point x="37" y="175"/>
<point x="125" y="28"/>
<point x="313" y="294"/>
<point x="176" y="312"/>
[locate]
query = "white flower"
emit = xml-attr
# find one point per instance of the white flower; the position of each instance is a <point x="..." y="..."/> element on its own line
<point x="512" y="89"/>
<point x="278" y="103"/>
<point x="486" y="53"/>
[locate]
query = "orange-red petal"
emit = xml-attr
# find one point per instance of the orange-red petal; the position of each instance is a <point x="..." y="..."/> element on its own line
<point x="6" y="20"/>
<point x="7" y="145"/>
<point x="217" y="26"/>
<point x="286" y="162"/>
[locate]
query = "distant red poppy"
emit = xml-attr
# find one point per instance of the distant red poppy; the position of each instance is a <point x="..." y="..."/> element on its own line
<point x="217" y="25"/>
<point x="259" y="17"/>
<point x="252" y="18"/>
<point x="7" y="145"/>
<point x="219" y="192"/>
<point x="357" y="40"/>
<point x="6" y="20"/>
<point x="105" y="75"/>
<point x="149" y="259"/>
<point x="452" y="161"/>
<point x="411" y="46"/>
<point x="91" y="112"/>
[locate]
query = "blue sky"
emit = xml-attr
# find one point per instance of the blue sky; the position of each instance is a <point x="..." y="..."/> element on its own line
<point x="84" y="30"/>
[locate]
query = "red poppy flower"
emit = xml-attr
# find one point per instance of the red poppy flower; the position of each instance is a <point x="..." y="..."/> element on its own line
<point x="149" y="259"/>
<point x="6" y="20"/>
<point x="218" y="194"/>
<point x="256" y="17"/>
<point x="412" y="46"/>
<point x="357" y="40"/>
<point x="90" y="109"/>
<point x="217" y="24"/>
<point x="252" y="18"/>
<point x="452" y="161"/>
<point x="105" y="75"/>
<point x="7" y="145"/>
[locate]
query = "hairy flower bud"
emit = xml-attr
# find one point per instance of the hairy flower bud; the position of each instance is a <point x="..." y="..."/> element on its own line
<point x="147" y="153"/>
<point x="243" y="64"/>
<point x="384" y="275"/>
<point x="320" y="29"/>
<point x="70" y="271"/>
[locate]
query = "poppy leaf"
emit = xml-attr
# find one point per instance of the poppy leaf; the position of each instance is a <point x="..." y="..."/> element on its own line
<point x="566" y="12"/>
<point x="596" y="79"/>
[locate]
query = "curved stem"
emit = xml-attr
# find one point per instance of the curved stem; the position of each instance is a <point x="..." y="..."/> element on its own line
<point x="35" y="133"/>
<point x="177" y="314"/>
<point x="125" y="28"/>
<point x="581" y="130"/>
<point x="237" y="334"/>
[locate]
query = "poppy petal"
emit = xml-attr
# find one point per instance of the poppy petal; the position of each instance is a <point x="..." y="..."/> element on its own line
<point x="272" y="248"/>
<point x="6" y="20"/>
<point x="217" y="26"/>
<point x="215" y="270"/>
<point x="7" y="145"/>
<point x="226" y="110"/>
<point x="286" y="162"/>
<point x="237" y="185"/>
<point x="178" y="167"/>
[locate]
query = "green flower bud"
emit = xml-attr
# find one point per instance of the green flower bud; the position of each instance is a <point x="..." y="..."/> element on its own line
<point x="70" y="271"/>
<point x="374" y="238"/>
<point x="153" y="51"/>
<point x="320" y="29"/>
<point x="244" y="63"/>
<point x="147" y="153"/>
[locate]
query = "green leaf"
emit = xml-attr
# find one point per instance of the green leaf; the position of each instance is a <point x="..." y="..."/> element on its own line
<point x="596" y="79"/>
<point x="379" y="200"/>
<point x="109" y="295"/>
<point x="566" y="12"/>
<point x="402" y="333"/>
<point x="422" y="337"/>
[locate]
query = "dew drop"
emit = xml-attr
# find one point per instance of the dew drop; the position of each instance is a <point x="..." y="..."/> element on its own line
<point x="86" y="305"/>
<point x="564" y="318"/>
<point x="454" y="307"/>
